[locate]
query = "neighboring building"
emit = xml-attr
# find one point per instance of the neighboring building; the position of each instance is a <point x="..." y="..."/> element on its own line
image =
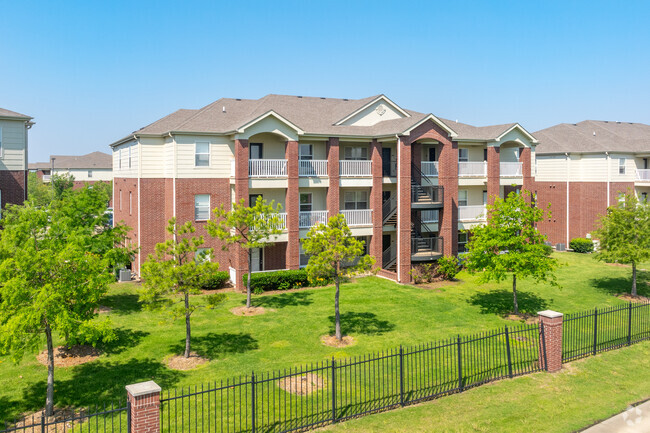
<point x="14" y="129"/>
<point x="406" y="181"/>
<point x="583" y="168"/>
<point x="90" y="168"/>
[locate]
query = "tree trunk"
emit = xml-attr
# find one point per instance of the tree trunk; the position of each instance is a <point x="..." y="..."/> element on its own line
<point x="188" y="330"/>
<point x="633" y="279"/>
<point x="49" y="400"/>
<point x="337" y="315"/>
<point x="248" y="280"/>
<point x="514" y="292"/>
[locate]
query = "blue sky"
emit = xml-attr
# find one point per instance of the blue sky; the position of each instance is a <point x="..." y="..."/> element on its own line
<point x="91" y="72"/>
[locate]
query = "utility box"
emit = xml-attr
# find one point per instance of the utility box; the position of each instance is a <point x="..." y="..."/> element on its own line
<point x="125" y="275"/>
<point x="560" y="247"/>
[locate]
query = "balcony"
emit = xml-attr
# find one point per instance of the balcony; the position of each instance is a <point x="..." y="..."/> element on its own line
<point x="312" y="168"/>
<point x="355" y="168"/>
<point x="47" y="177"/>
<point x="430" y="168"/>
<point x="472" y="213"/>
<point x="312" y="218"/>
<point x="472" y="169"/>
<point x="358" y="217"/>
<point x="267" y="168"/>
<point x="426" y="248"/>
<point x="430" y="216"/>
<point x="283" y="221"/>
<point x="511" y="169"/>
<point x="642" y="174"/>
<point x="426" y="196"/>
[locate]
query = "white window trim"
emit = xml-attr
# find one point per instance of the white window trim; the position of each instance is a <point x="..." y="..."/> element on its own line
<point x="466" y="196"/>
<point x="119" y="159"/>
<point x="311" y="151"/>
<point x="130" y="157"/>
<point x="356" y="199"/>
<point x="622" y="165"/>
<point x="196" y="143"/>
<point x="311" y="201"/>
<point x="195" y="207"/>
<point x="466" y="150"/>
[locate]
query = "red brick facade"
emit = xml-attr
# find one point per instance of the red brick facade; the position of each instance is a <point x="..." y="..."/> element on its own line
<point x="403" y="210"/>
<point x="333" y="196"/>
<point x="13" y="186"/>
<point x="376" y="247"/>
<point x="145" y="411"/>
<point x="293" y="206"/>
<point x="550" y="323"/>
<point x="493" y="173"/>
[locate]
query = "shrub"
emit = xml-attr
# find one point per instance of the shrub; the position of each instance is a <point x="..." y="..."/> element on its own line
<point x="581" y="245"/>
<point x="215" y="280"/>
<point x="548" y="250"/>
<point x="424" y="273"/>
<point x="277" y="280"/>
<point x="448" y="267"/>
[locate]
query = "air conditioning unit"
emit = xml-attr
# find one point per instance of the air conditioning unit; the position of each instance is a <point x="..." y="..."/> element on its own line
<point x="125" y="275"/>
<point x="560" y="247"/>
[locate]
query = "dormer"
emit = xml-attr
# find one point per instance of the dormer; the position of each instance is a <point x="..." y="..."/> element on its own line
<point x="377" y="110"/>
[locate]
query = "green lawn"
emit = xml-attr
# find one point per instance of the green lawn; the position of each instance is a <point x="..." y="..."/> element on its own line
<point x="377" y="312"/>
<point x="584" y="392"/>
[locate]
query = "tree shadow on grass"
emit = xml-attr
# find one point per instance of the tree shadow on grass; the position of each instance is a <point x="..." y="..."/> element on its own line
<point x="501" y="302"/>
<point x="618" y="285"/>
<point x="96" y="383"/>
<point x="124" y="338"/>
<point x="215" y="345"/>
<point x="361" y="323"/>
<point x="122" y="303"/>
<point x="294" y="299"/>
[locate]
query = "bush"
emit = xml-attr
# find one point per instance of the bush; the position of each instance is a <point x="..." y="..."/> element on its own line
<point x="215" y="280"/>
<point x="548" y="250"/>
<point x="448" y="267"/>
<point x="581" y="245"/>
<point x="277" y="280"/>
<point x="424" y="273"/>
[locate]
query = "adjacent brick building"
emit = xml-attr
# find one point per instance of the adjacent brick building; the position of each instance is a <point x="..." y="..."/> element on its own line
<point x="14" y="128"/>
<point x="407" y="182"/>
<point x="86" y="169"/>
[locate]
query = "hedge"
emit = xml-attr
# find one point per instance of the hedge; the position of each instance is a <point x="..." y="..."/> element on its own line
<point x="277" y="280"/>
<point x="581" y="245"/>
<point x="215" y="280"/>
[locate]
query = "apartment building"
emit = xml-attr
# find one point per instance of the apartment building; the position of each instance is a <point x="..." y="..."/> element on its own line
<point x="407" y="182"/>
<point x="583" y="168"/>
<point x="90" y="168"/>
<point x="14" y="128"/>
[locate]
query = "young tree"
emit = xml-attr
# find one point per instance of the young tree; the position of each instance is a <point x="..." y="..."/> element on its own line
<point x="61" y="183"/>
<point x="249" y="227"/>
<point x="53" y="271"/>
<point x="177" y="268"/>
<point x="624" y="234"/>
<point x="335" y="253"/>
<point x="38" y="192"/>
<point x="510" y="244"/>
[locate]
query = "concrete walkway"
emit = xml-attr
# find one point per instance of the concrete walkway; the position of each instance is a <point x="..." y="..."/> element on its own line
<point x="634" y="420"/>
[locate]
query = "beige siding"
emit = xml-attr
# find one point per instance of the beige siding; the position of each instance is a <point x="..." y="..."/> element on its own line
<point x="371" y="115"/>
<point x="318" y="197"/>
<point x="277" y="195"/>
<point x="14" y="137"/>
<point x="630" y="168"/>
<point x="475" y="152"/>
<point x="81" y="174"/>
<point x="121" y="152"/>
<point x="551" y="168"/>
<point x="153" y="157"/>
<point x="221" y="152"/>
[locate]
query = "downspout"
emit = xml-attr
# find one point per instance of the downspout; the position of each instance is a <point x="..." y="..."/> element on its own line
<point x="399" y="207"/>
<point x="568" y="172"/>
<point x="609" y="175"/>
<point x="137" y="141"/>
<point x="174" y="174"/>
<point x="28" y="126"/>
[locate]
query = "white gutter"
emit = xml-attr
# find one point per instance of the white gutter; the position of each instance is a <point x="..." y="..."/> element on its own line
<point x="568" y="172"/>
<point x="609" y="174"/>
<point x="399" y="207"/>
<point x="137" y="141"/>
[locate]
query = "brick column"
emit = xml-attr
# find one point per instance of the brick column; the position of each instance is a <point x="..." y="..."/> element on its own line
<point x="240" y="257"/>
<point x="493" y="173"/>
<point x="526" y="168"/>
<point x="448" y="179"/>
<point x="416" y="155"/>
<point x="376" y="247"/>
<point x="144" y="398"/>
<point x="292" y="203"/>
<point x="551" y="343"/>
<point x="333" y="199"/>
<point x="404" y="210"/>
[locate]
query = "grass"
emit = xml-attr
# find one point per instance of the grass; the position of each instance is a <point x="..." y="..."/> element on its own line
<point x="377" y="312"/>
<point x="584" y="392"/>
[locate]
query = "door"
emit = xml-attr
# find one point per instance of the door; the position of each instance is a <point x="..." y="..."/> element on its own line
<point x="432" y="154"/>
<point x="257" y="258"/>
<point x="255" y="150"/>
<point x="385" y="161"/>
<point x="385" y="242"/>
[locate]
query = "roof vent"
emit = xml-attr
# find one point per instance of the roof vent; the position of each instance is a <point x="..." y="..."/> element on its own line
<point x="346" y="99"/>
<point x="618" y="123"/>
<point x="456" y="120"/>
<point x="594" y="133"/>
<point x="322" y="97"/>
<point x="238" y="99"/>
<point x="223" y="109"/>
<point x="299" y="97"/>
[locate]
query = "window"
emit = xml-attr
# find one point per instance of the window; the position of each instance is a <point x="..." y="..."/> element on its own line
<point x="357" y="153"/>
<point x="462" y="242"/>
<point x="90" y="173"/>
<point x="129" y="156"/>
<point x="202" y="255"/>
<point x="366" y="244"/>
<point x="355" y="200"/>
<point x="463" y="155"/>
<point x="485" y="154"/>
<point x="306" y="152"/>
<point x="130" y="203"/>
<point x="305" y="202"/>
<point x="621" y="198"/>
<point x="119" y="159"/>
<point x="255" y="150"/>
<point x="252" y="199"/>
<point x="462" y="197"/>
<point x="201" y="154"/>
<point x="644" y="197"/>
<point x="621" y="166"/>
<point x="485" y="198"/>
<point x="202" y="207"/>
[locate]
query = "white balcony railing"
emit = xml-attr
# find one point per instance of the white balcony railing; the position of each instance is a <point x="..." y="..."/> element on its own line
<point x="312" y="218"/>
<point x="472" y="169"/>
<point x="355" y="168"/>
<point x="232" y="168"/>
<point x="511" y="169"/>
<point x="642" y="174"/>
<point x="47" y="177"/>
<point x="312" y="167"/>
<point x="430" y="168"/>
<point x="358" y="217"/>
<point x="430" y="216"/>
<point x="471" y="213"/>
<point x="267" y="167"/>
<point x="282" y="216"/>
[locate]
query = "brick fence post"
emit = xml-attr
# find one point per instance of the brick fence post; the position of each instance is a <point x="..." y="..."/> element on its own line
<point x="550" y="340"/>
<point x="145" y="407"/>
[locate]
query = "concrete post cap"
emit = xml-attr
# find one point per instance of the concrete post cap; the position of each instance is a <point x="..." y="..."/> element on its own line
<point x="143" y="388"/>
<point x="550" y="314"/>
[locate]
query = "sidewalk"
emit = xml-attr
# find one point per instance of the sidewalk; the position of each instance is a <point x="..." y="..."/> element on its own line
<point x="633" y="420"/>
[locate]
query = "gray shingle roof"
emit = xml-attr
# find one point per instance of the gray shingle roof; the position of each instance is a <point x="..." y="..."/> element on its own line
<point x="594" y="136"/>
<point x="13" y="114"/>
<point x="94" y="160"/>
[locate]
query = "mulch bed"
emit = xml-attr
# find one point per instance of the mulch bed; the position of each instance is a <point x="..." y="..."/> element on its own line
<point x="60" y="414"/>
<point x="252" y="311"/>
<point x="179" y="362"/>
<point x="103" y="309"/>
<point x="437" y="284"/>
<point x="302" y="385"/>
<point x="70" y="356"/>
<point x="522" y="317"/>
<point x="630" y="298"/>
<point x="330" y="340"/>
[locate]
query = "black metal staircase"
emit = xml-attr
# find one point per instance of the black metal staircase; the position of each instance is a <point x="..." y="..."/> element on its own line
<point x="424" y="194"/>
